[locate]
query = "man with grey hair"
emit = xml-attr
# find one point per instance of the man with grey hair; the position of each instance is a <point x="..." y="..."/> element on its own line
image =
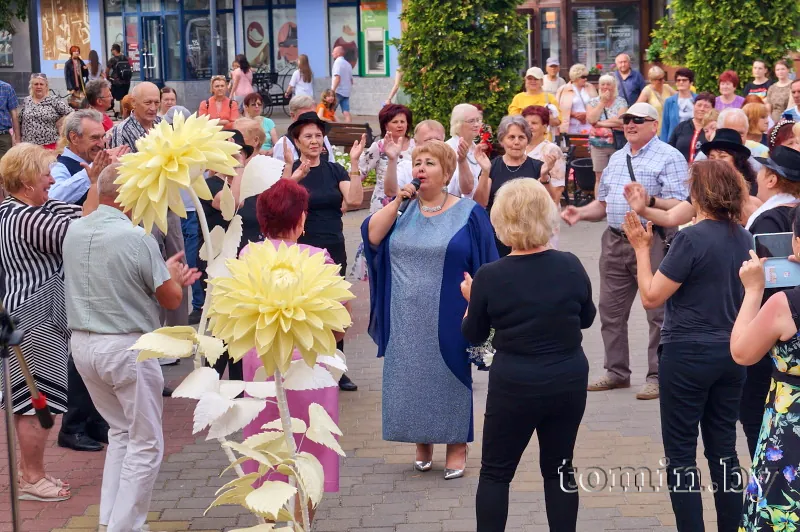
<point x="98" y="96"/>
<point x="298" y="105"/>
<point x="631" y="83"/>
<point x="146" y="99"/>
<point x="115" y="280"/>
<point x="736" y="119"/>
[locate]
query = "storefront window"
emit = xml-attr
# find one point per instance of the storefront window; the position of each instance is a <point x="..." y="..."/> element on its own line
<point x="173" y="48"/>
<point x="131" y="48"/>
<point x="151" y="5"/>
<point x="226" y="43"/>
<point x="284" y="24"/>
<point x="113" y="33"/>
<point x="343" y="31"/>
<point x="256" y="37"/>
<point x="550" y="29"/>
<point x="198" y="46"/>
<point x="599" y="34"/>
<point x="113" y="6"/>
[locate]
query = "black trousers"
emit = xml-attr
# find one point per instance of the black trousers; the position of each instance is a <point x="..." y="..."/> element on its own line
<point x="81" y="415"/>
<point x="700" y="385"/>
<point x="511" y="418"/>
<point x="754" y="395"/>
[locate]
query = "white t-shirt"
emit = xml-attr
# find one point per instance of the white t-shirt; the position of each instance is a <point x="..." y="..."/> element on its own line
<point x="405" y="173"/>
<point x="454" y="188"/>
<point x="343" y="69"/>
<point x="301" y="87"/>
<point x="277" y="150"/>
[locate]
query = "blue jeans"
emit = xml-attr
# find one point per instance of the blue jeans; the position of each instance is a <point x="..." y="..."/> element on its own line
<point x="191" y="242"/>
<point x="343" y="102"/>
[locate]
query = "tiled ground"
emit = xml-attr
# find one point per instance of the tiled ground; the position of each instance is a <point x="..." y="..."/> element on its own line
<point x="379" y="489"/>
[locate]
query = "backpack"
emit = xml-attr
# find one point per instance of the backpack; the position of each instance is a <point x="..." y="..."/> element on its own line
<point x="122" y="70"/>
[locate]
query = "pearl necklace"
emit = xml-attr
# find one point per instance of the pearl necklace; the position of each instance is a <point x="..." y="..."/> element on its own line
<point x="438" y="208"/>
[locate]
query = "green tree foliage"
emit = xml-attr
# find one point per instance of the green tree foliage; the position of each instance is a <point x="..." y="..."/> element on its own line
<point x="9" y="10"/>
<point x="461" y="51"/>
<point x="711" y="36"/>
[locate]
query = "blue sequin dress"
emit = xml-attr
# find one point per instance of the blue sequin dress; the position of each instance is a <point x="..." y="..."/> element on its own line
<point x="416" y="308"/>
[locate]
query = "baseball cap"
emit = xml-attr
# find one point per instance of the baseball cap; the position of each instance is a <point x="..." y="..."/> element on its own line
<point x="642" y="110"/>
<point x="176" y="109"/>
<point x="536" y="72"/>
<point x="552" y="61"/>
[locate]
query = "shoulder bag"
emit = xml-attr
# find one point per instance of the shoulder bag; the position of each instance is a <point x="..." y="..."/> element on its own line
<point x="619" y="136"/>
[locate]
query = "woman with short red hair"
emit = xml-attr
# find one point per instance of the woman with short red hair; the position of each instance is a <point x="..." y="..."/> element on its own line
<point x="76" y="73"/>
<point x="728" y="82"/>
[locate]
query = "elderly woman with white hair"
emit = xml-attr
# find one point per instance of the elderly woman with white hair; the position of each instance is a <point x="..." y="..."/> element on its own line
<point x="657" y="92"/>
<point x="604" y="114"/>
<point x="537" y="300"/>
<point x="573" y="99"/>
<point x="465" y="126"/>
<point x="40" y="114"/>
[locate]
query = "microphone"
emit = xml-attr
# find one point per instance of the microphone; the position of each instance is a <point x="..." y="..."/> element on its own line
<point x="405" y="202"/>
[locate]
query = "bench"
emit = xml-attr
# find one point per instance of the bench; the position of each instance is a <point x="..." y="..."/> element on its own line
<point x="344" y="135"/>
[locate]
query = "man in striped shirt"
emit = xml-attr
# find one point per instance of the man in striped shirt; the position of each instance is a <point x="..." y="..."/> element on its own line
<point x="146" y="98"/>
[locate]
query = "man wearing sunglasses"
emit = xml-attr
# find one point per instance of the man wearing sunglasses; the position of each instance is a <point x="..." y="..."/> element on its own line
<point x="662" y="170"/>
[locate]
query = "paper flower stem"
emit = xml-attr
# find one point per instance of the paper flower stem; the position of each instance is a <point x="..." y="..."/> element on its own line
<point x="201" y="218"/>
<point x="283" y="409"/>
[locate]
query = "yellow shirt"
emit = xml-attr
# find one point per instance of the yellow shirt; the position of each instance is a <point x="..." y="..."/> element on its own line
<point x="523" y="100"/>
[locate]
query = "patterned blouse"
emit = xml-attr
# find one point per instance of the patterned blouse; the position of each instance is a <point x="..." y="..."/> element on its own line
<point x="376" y="159"/>
<point x="38" y="120"/>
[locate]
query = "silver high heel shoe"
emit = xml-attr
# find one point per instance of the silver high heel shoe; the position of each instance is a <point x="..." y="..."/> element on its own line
<point x="451" y="474"/>
<point x="422" y="466"/>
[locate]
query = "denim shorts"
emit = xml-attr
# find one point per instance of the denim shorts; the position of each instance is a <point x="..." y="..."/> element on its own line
<point x="343" y="102"/>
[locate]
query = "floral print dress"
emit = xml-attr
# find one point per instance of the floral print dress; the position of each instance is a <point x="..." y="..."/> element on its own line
<point x="375" y="159"/>
<point x="772" y="500"/>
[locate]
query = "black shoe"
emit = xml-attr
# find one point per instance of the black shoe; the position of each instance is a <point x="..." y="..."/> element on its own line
<point x="346" y="385"/>
<point x="166" y="392"/>
<point x="78" y="442"/>
<point x="98" y="433"/>
<point x="194" y="317"/>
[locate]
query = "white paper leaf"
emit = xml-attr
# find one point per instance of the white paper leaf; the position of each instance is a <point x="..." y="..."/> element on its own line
<point x="230" y="247"/>
<point x="180" y="332"/>
<point x="261" y="374"/>
<point x="260" y="173"/>
<point x="336" y="364"/>
<point x="298" y="425"/>
<point x="231" y="389"/>
<point x="218" y="268"/>
<point x="217" y="235"/>
<point x="261" y="390"/>
<point x="243" y="412"/>
<point x="197" y="383"/>
<point x="210" y="347"/>
<point x="268" y="527"/>
<point x="261" y="438"/>
<point x="311" y="475"/>
<point x="156" y="345"/>
<point x="301" y="377"/>
<point x="227" y="203"/>
<point x="270" y="497"/>
<point x="249" y="452"/>
<point x="210" y="407"/>
<point x="321" y="428"/>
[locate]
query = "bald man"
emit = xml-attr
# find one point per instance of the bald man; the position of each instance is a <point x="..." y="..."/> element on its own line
<point x="630" y="82"/>
<point x="146" y="98"/>
<point x="342" y="81"/>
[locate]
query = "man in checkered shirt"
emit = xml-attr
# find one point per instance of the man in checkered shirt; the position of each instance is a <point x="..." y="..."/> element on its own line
<point x="663" y="172"/>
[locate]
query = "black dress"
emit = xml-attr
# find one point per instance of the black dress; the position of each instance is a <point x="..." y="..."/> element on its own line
<point x="501" y="174"/>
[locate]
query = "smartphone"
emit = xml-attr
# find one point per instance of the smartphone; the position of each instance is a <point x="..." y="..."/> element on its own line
<point x="779" y="272"/>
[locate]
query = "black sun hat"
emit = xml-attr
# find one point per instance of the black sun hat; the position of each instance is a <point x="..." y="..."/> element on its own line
<point x="304" y="119"/>
<point x="783" y="161"/>
<point x="726" y="139"/>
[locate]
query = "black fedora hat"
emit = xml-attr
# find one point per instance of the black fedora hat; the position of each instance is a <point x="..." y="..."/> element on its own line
<point x="783" y="161"/>
<point x="304" y="119"/>
<point x="728" y="140"/>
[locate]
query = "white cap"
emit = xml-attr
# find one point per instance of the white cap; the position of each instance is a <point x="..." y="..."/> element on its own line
<point x="536" y="72"/>
<point x="642" y="110"/>
<point x="553" y="60"/>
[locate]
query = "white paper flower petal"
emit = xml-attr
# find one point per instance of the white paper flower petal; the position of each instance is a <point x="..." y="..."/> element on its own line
<point x="233" y="237"/>
<point x="217" y="235"/>
<point x="336" y="364"/>
<point x="321" y="428"/>
<point x="243" y="412"/>
<point x="270" y="497"/>
<point x="227" y="202"/>
<point x="156" y="345"/>
<point x="210" y="347"/>
<point x="301" y="377"/>
<point x="210" y="407"/>
<point x="261" y="374"/>
<point x="311" y="474"/>
<point x="298" y="425"/>
<point x="197" y="383"/>
<point x="218" y="268"/>
<point x="260" y="173"/>
<point x="231" y="389"/>
<point x="261" y="390"/>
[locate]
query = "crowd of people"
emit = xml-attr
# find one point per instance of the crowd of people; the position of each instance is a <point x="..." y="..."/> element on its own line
<point x="459" y="247"/>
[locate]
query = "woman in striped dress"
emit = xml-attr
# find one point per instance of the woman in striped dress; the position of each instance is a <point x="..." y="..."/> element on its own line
<point x="32" y="230"/>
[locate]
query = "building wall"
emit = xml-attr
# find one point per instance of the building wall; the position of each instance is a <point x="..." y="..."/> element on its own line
<point x="19" y="74"/>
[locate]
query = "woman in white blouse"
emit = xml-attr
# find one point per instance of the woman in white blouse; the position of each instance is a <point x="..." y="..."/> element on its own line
<point x="302" y="81"/>
<point x="572" y="99"/>
<point x="465" y="125"/>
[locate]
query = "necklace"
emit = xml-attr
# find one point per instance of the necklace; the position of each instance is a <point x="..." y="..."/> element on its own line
<point x="510" y="171"/>
<point x="438" y="208"/>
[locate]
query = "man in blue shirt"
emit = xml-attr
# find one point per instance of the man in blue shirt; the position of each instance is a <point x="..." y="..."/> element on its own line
<point x="9" y="119"/>
<point x="631" y="83"/>
<point x="793" y="111"/>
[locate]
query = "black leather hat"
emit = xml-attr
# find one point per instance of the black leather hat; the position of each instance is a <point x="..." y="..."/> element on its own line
<point x="304" y="119"/>
<point x="783" y="161"/>
<point x="727" y="140"/>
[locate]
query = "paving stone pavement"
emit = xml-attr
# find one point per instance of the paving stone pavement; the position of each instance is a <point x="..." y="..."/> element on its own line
<point x="380" y="491"/>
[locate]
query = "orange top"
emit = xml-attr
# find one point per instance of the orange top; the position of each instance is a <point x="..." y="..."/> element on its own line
<point x="327" y="114"/>
<point x="229" y="110"/>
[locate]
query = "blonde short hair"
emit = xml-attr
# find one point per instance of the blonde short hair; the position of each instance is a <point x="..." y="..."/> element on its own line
<point x="215" y="79"/>
<point x="711" y="116"/>
<point x="656" y="72"/>
<point x="523" y="214"/>
<point x="457" y="117"/>
<point x="609" y="78"/>
<point x="577" y="70"/>
<point x="251" y="126"/>
<point x="23" y="164"/>
<point x="442" y="153"/>
<point x="30" y="83"/>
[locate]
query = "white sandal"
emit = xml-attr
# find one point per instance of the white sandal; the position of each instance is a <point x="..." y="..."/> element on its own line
<point x="43" y="491"/>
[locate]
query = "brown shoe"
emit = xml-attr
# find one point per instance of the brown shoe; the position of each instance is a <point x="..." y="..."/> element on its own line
<point x="607" y="383"/>
<point x="648" y="391"/>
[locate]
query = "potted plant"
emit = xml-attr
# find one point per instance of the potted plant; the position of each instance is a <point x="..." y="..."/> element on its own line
<point x="595" y="72"/>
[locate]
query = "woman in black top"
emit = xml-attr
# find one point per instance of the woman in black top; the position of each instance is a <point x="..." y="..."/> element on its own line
<point x="514" y="134"/>
<point x="779" y="189"/>
<point x="688" y="136"/>
<point x="537" y="300"/>
<point x="700" y="383"/>
<point x="331" y="191"/>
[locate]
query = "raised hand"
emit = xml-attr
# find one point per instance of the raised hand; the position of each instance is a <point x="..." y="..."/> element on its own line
<point x="288" y="154"/>
<point x="752" y="272"/>
<point x="118" y="152"/>
<point x="549" y="162"/>
<point x="639" y="236"/>
<point x="357" y="149"/>
<point x="636" y="196"/>
<point x="302" y="171"/>
<point x="391" y="148"/>
<point x="101" y="160"/>
<point x="180" y="272"/>
<point x="481" y="158"/>
<point x="463" y="149"/>
<point x="571" y="215"/>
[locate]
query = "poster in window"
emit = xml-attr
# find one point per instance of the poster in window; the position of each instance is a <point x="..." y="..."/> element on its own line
<point x="65" y="23"/>
<point x="256" y="38"/>
<point x="343" y="22"/>
<point x="6" y="49"/>
<point x="599" y="34"/>
<point x="132" y="42"/>
<point x="284" y="23"/>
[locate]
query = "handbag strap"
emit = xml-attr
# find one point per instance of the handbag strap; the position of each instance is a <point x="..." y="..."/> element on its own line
<point x="622" y="84"/>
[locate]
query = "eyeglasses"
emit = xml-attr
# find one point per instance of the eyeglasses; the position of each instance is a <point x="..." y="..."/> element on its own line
<point x="681" y="80"/>
<point x="473" y="121"/>
<point x="218" y="78"/>
<point x="38" y="76"/>
<point x="638" y="120"/>
<point x="657" y="79"/>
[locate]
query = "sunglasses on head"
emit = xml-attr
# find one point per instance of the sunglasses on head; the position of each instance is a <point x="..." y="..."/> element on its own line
<point x="638" y="120"/>
<point x="38" y="76"/>
<point x="584" y="77"/>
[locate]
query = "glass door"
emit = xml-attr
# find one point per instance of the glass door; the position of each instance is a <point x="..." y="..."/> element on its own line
<point x="152" y="56"/>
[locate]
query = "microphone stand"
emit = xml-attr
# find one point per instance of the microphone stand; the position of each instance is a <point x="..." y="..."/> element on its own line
<point x="10" y="339"/>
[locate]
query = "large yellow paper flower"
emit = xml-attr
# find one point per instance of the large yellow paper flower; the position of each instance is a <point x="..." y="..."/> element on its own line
<point x="277" y="299"/>
<point x="170" y="158"/>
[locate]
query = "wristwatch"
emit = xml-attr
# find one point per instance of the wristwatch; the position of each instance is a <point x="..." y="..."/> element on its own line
<point x="652" y="202"/>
